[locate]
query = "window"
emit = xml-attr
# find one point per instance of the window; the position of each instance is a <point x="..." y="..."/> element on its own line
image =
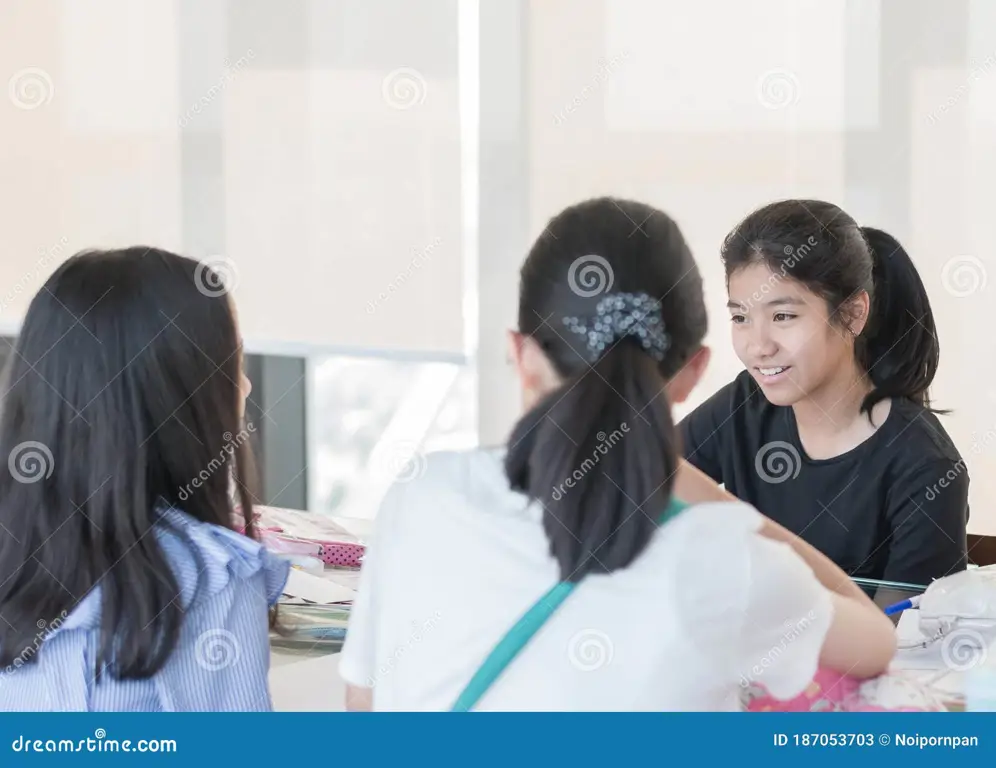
<point x="373" y="420"/>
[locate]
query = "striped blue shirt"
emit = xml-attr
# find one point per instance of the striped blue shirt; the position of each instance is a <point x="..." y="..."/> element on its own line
<point x="221" y="662"/>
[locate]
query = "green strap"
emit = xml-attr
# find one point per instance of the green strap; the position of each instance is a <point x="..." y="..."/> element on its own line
<point x="525" y="629"/>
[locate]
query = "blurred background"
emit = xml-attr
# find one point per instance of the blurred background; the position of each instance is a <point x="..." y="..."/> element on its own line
<point x="369" y="175"/>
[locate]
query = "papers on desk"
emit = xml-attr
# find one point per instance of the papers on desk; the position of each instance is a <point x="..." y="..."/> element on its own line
<point x="927" y="664"/>
<point x="314" y="615"/>
<point x="305" y="586"/>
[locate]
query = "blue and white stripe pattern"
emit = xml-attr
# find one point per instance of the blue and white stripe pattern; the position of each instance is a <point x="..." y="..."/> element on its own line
<point x="221" y="663"/>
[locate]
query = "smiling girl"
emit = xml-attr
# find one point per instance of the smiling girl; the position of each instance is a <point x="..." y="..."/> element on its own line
<point x="829" y="430"/>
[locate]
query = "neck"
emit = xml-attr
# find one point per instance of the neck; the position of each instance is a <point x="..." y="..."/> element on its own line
<point x="835" y="405"/>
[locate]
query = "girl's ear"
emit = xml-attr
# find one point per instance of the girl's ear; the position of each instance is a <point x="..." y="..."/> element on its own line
<point x="856" y="313"/>
<point x="536" y="374"/>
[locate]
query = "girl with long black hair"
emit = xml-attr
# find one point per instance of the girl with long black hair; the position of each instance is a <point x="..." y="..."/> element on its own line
<point x="829" y="430"/>
<point x="123" y="584"/>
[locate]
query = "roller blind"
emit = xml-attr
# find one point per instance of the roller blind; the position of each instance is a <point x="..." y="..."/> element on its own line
<point x="311" y="150"/>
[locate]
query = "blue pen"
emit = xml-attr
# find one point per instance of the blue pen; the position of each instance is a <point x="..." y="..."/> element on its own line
<point x="912" y="602"/>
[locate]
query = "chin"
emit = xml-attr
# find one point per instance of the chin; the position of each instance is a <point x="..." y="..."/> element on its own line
<point x="780" y="394"/>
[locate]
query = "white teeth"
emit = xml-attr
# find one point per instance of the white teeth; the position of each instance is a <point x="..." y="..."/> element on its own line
<point x="771" y="371"/>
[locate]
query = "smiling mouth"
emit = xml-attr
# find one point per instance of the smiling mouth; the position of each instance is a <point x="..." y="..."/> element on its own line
<point x="774" y="370"/>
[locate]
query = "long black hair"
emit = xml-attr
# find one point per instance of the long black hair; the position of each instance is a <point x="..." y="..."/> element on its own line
<point x="819" y="245"/>
<point x="600" y="452"/>
<point x="121" y="389"/>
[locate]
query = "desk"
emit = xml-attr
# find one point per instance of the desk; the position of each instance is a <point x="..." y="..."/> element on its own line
<point x="928" y="666"/>
<point x="306" y="684"/>
<point x="311" y="682"/>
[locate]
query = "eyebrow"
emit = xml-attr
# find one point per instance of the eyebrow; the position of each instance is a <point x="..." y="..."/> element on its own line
<point x="785" y="301"/>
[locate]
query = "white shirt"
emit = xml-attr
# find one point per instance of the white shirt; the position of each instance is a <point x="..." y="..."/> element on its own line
<point x="458" y="558"/>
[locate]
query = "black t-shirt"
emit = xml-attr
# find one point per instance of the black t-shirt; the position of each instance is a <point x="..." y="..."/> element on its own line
<point x="895" y="507"/>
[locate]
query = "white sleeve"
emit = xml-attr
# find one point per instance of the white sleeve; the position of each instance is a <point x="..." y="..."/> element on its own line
<point x="749" y="604"/>
<point x="786" y="622"/>
<point x="358" y="660"/>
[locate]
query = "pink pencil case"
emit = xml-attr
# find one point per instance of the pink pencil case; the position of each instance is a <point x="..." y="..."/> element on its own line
<point x="294" y="531"/>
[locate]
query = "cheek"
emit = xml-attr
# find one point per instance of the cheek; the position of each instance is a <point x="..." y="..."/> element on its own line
<point x="814" y="347"/>
<point x="739" y="338"/>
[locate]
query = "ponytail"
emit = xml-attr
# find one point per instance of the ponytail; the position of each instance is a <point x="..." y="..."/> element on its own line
<point x="899" y="347"/>
<point x="599" y="454"/>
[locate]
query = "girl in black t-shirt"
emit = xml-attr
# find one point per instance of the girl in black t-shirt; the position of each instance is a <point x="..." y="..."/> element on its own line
<point x="829" y="430"/>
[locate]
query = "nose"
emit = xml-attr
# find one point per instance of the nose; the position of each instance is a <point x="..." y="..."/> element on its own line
<point x="760" y="343"/>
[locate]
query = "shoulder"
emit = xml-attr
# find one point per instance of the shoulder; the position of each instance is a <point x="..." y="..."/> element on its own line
<point x="441" y="479"/>
<point x="207" y="558"/>
<point x="917" y="442"/>
<point x="740" y="400"/>
<point x="703" y="537"/>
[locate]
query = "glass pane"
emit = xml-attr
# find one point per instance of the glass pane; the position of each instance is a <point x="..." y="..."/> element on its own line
<point x="374" y="419"/>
